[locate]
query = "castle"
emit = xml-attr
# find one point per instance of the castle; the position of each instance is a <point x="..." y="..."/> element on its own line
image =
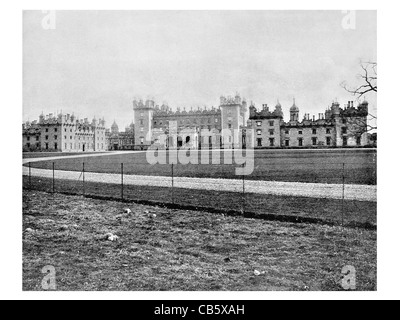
<point x="64" y="133"/>
<point x="248" y="127"/>
<point x="336" y="127"/>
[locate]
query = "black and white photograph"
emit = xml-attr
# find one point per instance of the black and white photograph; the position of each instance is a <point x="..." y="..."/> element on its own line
<point x="199" y="158"/>
<point x="200" y="150"/>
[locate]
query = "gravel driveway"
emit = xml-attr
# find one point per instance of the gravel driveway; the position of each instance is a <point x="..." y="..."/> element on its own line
<point x="299" y="189"/>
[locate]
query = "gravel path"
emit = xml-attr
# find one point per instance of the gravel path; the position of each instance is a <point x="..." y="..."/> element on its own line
<point x="311" y="190"/>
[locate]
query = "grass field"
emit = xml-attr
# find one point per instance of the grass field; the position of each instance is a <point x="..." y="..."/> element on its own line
<point x="32" y="155"/>
<point x="272" y="207"/>
<point x="320" y="166"/>
<point x="184" y="250"/>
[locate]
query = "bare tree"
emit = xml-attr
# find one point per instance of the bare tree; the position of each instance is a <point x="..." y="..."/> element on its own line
<point x="368" y="76"/>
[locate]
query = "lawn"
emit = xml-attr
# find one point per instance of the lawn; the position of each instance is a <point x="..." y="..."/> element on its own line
<point x="271" y="207"/>
<point x="319" y="166"/>
<point x="183" y="249"/>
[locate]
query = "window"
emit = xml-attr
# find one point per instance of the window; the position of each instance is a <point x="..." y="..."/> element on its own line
<point x="65" y="137"/>
<point x="345" y="142"/>
<point x="344" y="130"/>
<point x="259" y="142"/>
<point x="47" y="137"/>
<point x="216" y="120"/>
<point x="71" y="146"/>
<point x="328" y="141"/>
<point x="141" y="140"/>
<point x="259" y="123"/>
<point x="271" y="123"/>
<point x="47" y="130"/>
<point x="229" y="126"/>
<point x="328" y="131"/>
<point x="65" y="130"/>
<point x="37" y="138"/>
<point x="314" y="141"/>
<point x="300" y="132"/>
<point x="66" y="146"/>
<point x="55" y="137"/>
<point x="28" y="145"/>
<point x="142" y="115"/>
<point x="56" y="146"/>
<point x="286" y="131"/>
<point x="259" y="131"/>
<point x="300" y="142"/>
<point x="141" y="129"/>
<point x="55" y="129"/>
<point x="271" y="142"/>
<point x="287" y="143"/>
<point x="29" y="138"/>
<point x="47" y="146"/>
<point x="358" y="141"/>
<point x="314" y="131"/>
<point x="271" y="132"/>
<point x="70" y="137"/>
<point x="142" y="122"/>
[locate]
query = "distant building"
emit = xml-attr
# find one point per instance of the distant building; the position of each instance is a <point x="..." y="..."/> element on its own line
<point x="64" y="133"/>
<point x="336" y="127"/>
<point x="247" y="128"/>
<point x="121" y="140"/>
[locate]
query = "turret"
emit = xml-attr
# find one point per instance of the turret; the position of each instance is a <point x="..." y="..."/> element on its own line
<point x="294" y="112"/>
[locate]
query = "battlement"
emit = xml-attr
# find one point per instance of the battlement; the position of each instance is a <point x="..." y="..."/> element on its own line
<point x="168" y="112"/>
<point x="230" y="101"/>
<point x="139" y="104"/>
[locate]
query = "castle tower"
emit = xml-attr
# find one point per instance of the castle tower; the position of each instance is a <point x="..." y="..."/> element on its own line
<point x="232" y="118"/>
<point x="143" y="115"/>
<point x="294" y="112"/>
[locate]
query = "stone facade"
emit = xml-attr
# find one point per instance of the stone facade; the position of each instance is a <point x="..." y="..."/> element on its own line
<point x="117" y="140"/>
<point x="337" y="127"/>
<point x="64" y="133"/>
<point x="204" y="128"/>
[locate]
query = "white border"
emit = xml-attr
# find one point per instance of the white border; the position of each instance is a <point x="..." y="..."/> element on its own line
<point x="388" y="111"/>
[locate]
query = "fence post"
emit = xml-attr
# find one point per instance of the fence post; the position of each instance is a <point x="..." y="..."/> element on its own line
<point x="53" y="180"/>
<point x="172" y="190"/>
<point x="83" y="178"/>
<point x="244" y="193"/>
<point x="30" y="181"/>
<point x="343" y="192"/>
<point x="122" y="181"/>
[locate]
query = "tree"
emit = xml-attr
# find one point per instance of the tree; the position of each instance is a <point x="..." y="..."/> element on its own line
<point x="369" y="77"/>
<point x="369" y="84"/>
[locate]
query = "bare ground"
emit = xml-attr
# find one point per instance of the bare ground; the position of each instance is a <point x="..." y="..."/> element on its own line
<point x="184" y="250"/>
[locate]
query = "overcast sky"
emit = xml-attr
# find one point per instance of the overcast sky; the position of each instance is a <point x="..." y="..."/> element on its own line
<point x="94" y="63"/>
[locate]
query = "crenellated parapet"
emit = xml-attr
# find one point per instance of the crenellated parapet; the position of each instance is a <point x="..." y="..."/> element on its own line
<point x="139" y="104"/>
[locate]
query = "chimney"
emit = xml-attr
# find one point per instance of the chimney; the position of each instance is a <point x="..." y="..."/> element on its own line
<point x="352" y="104"/>
<point x="314" y="118"/>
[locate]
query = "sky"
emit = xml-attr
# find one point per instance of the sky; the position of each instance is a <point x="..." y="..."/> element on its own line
<point x="95" y="63"/>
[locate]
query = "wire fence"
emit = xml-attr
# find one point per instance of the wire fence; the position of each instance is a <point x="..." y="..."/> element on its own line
<point x="322" y="194"/>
